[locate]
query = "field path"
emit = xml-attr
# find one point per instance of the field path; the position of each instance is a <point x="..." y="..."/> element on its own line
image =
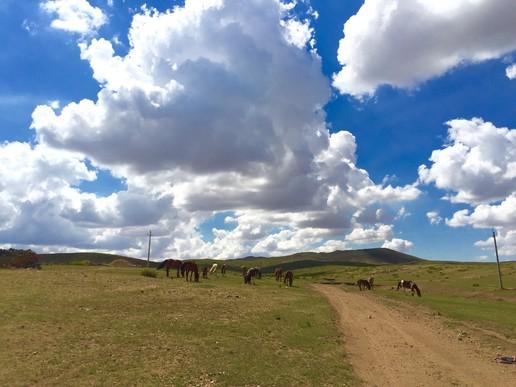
<point x="387" y="348"/>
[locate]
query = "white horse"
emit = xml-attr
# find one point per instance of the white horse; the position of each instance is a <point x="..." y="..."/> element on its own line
<point x="214" y="268"/>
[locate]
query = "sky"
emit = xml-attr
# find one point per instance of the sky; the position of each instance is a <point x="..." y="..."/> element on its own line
<point x="261" y="127"/>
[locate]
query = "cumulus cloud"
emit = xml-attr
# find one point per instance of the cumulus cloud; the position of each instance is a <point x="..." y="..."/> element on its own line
<point x="74" y="15"/>
<point x="217" y="106"/>
<point x="511" y="71"/>
<point x="397" y="244"/>
<point x="433" y="217"/>
<point x="402" y="43"/>
<point x="477" y="167"/>
<point x="375" y="234"/>
<point x="506" y="243"/>
<point x="478" y="164"/>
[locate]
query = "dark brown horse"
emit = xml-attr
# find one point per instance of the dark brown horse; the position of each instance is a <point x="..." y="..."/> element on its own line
<point x="205" y="272"/>
<point x="171" y="264"/>
<point x="190" y="269"/>
<point x="363" y="284"/>
<point x="371" y="282"/>
<point x="223" y="269"/>
<point x="289" y="277"/>
<point x="407" y="284"/>
<point x="251" y="274"/>
<point x="278" y="273"/>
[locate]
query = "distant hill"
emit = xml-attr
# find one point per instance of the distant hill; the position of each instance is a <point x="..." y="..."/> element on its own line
<point x="377" y="256"/>
<point x="90" y="258"/>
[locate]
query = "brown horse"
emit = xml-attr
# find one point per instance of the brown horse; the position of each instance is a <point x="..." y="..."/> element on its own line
<point x="278" y="273"/>
<point x="289" y="277"/>
<point x="251" y="274"/>
<point x="244" y="270"/>
<point x="190" y="269"/>
<point x="407" y="284"/>
<point x="171" y="264"/>
<point x="223" y="269"/>
<point x="371" y="282"/>
<point x="205" y="272"/>
<point x="363" y="284"/>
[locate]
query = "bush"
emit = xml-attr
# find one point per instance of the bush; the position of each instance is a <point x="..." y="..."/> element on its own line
<point x="83" y="262"/>
<point x="149" y="273"/>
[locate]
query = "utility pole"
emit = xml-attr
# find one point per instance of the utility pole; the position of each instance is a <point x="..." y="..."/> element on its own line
<point x="497" y="260"/>
<point x="148" y="251"/>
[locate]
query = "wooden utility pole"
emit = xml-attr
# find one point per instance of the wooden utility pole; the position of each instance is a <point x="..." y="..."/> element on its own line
<point x="148" y="251"/>
<point x="497" y="260"/>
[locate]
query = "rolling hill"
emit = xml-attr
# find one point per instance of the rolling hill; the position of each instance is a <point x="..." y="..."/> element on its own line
<point x="88" y="258"/>
<point x="377" y="256"/>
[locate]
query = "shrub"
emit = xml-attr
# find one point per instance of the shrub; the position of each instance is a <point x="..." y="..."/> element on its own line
<point x="149" y="273"/>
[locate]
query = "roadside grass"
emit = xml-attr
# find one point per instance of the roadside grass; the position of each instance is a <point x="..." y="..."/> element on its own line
<point x="467" y="292"/>
<point x="85" y="325"/>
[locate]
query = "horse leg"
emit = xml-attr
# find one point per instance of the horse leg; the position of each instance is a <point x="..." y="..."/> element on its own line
<point x="167" y="271"/>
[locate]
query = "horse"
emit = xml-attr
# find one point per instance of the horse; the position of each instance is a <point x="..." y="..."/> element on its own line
<point x="244" y="270"/>
<point x="205" y="272"/>
<point x="190" y="269"/>
<point x="223" y="269"/>
<point x="278" y="273"/>
<point x="214" y="268"/>
<point x="363" y="284"/>
<point x="171" y="264"/>
<point x="371" y="282"/>
<point x="407" y="284"/>
<point x="250" y="274"/>
<point x="289" y="277"/>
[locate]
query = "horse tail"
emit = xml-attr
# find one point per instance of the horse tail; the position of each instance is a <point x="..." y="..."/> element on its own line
<point x="414" y="286"/>
<point x="400" y="284"/>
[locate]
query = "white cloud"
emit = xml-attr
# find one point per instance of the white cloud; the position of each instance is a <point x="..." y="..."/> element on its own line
<point x="505" y="241"/>
<point x="478" y="167"/>
<point x="75" y="15"/>
<point x="397" y="244"/>
<point x="478" y="164"/>
<point x="402" y="43"/>
<point x="511" y="71"/>
<point x="375" y="234"/>
<point x="213" y="110"/>
<point x="433" y="217"/>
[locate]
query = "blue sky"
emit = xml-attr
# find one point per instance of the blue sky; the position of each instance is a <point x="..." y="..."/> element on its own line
<point x="261" y="139"/>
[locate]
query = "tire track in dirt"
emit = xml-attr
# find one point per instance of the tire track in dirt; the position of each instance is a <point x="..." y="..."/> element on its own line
<point x="389" y="348"/>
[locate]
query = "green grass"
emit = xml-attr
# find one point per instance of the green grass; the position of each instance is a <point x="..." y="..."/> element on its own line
<point x="467" y="292"/>
<point x="75" y="325"/>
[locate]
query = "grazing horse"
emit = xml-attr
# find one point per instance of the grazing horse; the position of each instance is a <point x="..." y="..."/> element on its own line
<point x="205" y="272"/>
<point x="244" y="270"/>
<point x="404" y="284"/>
<point x="278" y="273"/>
<point x="171" y="264"/>
<point x="371" y="282"/>
<point x="214" y="268"/>
<point x="223" y="269"/>
<point x="251" y="273"/>
<point x="190" y="269"/>
<point x="363" y="284"/>
<point x="289" y="277"/>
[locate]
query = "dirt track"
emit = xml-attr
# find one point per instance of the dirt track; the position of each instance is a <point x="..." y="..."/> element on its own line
<point x="387" y="348"/>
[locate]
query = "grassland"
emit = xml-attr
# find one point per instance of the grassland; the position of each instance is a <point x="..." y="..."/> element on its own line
<point x="75" y="325"/>
<point x="464" y="292"/>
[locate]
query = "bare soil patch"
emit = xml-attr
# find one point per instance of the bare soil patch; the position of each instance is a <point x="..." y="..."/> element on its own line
<point x="389" y="347"/>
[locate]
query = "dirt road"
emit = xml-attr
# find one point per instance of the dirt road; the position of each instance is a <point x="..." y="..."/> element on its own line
<point x="389" y="348"/>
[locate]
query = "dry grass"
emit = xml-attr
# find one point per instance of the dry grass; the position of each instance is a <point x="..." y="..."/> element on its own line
<point x="112" y="326"/>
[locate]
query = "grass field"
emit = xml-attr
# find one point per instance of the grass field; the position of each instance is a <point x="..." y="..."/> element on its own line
<point x="465" y="292"/>
<point x="74" y="325"/>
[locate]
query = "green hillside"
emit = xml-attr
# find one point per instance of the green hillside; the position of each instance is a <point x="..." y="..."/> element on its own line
<point x="88" y="259"/>
<point x="377" y="256"/>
